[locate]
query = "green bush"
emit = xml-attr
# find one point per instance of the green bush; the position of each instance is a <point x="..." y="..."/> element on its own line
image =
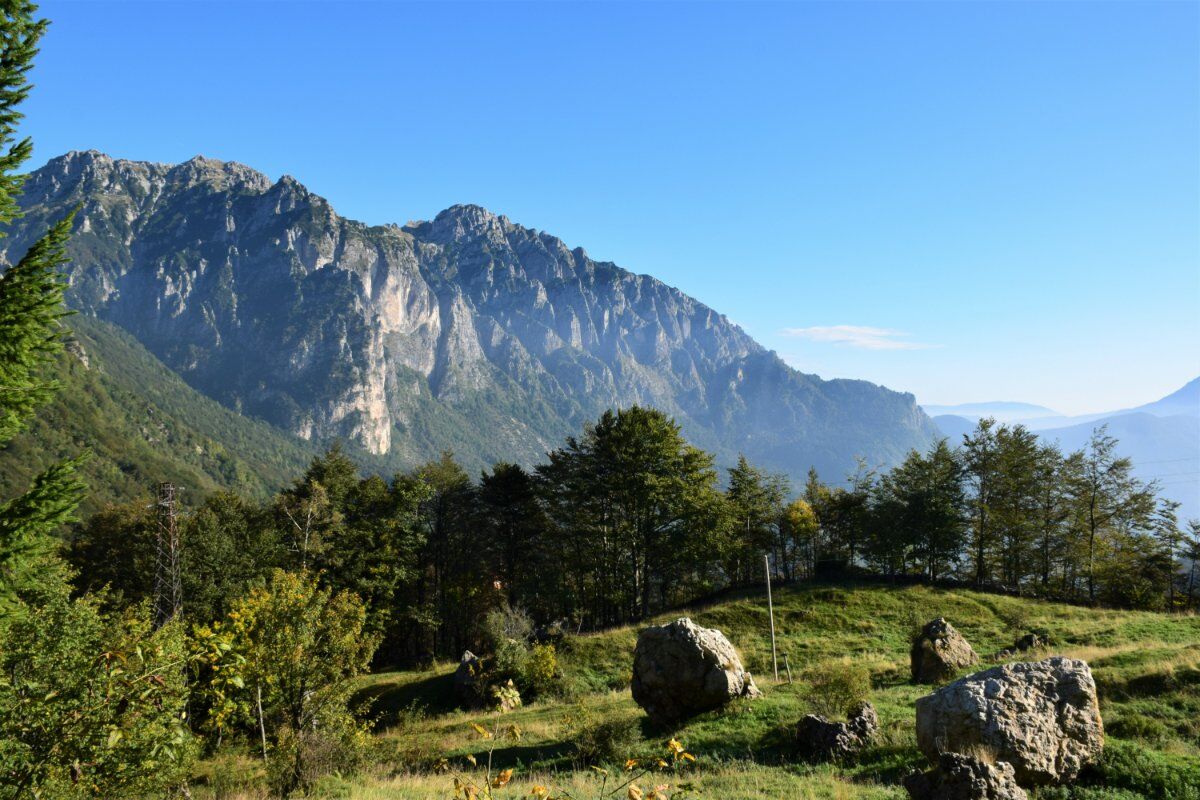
<point x="833" y="688"/>
<point x="596" y="741"/>
<point x="540" y="675"/>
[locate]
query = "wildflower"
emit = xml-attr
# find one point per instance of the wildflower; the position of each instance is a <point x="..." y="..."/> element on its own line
<point x="630" y="764"/>
<point x="539" y="791"/>
<point x="502" y="779"/>
<point x="675" y="747"/>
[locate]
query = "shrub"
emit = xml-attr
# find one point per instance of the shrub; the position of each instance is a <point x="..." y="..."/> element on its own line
<point x="833" y="688"/>
<point x="339" y="745"/>
<point x="599" y="741"/>
<point x="541" y="676"/>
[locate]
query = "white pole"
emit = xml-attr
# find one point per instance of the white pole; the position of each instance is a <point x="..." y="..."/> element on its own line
<point x="771" y="613"/>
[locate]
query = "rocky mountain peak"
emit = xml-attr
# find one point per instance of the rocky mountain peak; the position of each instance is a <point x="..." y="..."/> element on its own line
<point x="468" y="332"/>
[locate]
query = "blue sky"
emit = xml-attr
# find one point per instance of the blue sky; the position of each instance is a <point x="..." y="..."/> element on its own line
<point x="968" y="201"/>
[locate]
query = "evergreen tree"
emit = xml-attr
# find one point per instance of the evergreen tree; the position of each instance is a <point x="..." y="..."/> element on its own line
<point x="31" y="294"/>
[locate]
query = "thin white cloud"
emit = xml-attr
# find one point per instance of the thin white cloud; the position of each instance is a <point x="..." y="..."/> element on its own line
<point x="859" y="336"/>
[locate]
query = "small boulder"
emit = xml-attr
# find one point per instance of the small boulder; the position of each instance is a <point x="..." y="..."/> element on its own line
<point x="469" y="681"/>
<point x="959" y="777"/>
<point x="818" y="739"/>
<point x="939" y="652"/>
<point x="682" y="669"/>
<point x="1042" y="717"/>
<point x="1030" y="641"/>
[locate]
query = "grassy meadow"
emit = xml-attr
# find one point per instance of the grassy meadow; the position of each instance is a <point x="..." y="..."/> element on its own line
<point x="1147" y="667"/>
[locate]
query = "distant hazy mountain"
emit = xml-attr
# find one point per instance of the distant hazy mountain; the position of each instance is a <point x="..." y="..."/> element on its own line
<point x="468" y="332"/>
<point x="999" y="410"/>
<point x="954" y="427"/>
<point x="1162" y="438"/>
<point x="1186" y="401"/>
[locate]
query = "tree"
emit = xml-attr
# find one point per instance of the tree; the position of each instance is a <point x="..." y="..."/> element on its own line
<point x="31" y="294"/>
<point x="755" y="501"/>
<point x="647" y="504"/>
<point x="516" y="530"/>
<point x="1051" y="511"/>
<point x="91" y="705"/>
<point x="981" y="468"/>
<point x="1106" y="494"/>
<point x="292" y="648"/>
<point x="799" y="527"/>
<point x="1191" y="555"/>
<point x="926" y="503"/>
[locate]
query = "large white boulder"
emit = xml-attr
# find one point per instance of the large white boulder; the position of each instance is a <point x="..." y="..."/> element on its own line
<point x="1042" y="717"/>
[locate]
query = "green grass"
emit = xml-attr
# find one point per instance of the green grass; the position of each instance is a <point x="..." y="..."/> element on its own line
<point x="1147" y="667"/>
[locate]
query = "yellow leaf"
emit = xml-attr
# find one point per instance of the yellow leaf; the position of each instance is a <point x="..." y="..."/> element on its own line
<point x="482" y="731"/>
<point x="687" y="756"/>
<point x="634" y="793"/>
<point x="601" y="770"/>
<point x="502" y="779"/>
<point x="674" y="746"/>
<point x="471" y="758"/>
<point x="539" y="791"/>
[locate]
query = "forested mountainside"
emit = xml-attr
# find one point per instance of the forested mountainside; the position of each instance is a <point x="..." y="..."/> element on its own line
<point x="142" y="424"/>
<point x="468" y="333"/>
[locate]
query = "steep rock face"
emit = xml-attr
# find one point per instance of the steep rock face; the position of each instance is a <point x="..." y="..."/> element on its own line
<point x="466" y="332"/>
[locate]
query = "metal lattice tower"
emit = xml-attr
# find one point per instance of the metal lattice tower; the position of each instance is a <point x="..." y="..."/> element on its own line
<point x="168" y="588"/>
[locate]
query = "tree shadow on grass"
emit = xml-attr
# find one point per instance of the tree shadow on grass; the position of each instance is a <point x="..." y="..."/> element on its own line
<point x="387" y="704"/>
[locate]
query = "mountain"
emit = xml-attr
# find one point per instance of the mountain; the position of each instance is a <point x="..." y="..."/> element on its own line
<point x="954" y="427"/>
<point x="1166" y="449"/>
<point x="999" y="410"/>
<point x="467" y="332"/>
<point x="142" y="424"/>
<point x="1162" y="438"/>
<point x="1185" y="401"/>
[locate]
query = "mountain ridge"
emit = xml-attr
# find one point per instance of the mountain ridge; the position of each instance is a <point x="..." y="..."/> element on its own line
<point x="466" y="332"/>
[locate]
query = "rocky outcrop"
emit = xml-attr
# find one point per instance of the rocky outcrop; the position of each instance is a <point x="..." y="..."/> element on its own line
<point x="682" y="669"/>
<point x="1042" y="717"/>
<point x="469" y="681"/>
<point x="467" y="333"/>
<point x="960" y="777"/>
<point x="939" y="652"/>
<point x="818" y="739"/>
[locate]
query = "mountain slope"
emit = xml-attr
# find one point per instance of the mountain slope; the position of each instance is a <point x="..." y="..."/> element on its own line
<point x="142" y="424"/>
<point x="467" y="332"/>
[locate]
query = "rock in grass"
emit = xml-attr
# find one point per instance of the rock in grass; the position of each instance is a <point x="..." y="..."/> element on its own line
<point x="682" y="669"/>
<point x="960" y="777"/>
<point x="469" y="681"/>
<point x="939" y="652"/>
<point x="1042" y="717"/>
<point x="818" y="739"/>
